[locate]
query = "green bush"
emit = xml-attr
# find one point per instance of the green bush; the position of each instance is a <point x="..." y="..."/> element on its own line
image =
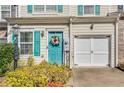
<point x="21" y="63"/>
<point x="37" y="75"/>
<point x="6" y="57"/>
<point x="56" y="73"/>
<point x="30" y="61"/>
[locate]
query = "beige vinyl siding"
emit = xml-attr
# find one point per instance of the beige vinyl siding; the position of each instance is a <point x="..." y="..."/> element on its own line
<point x="108" y="9"/>
<point x="69" y="10"/>
<point x="104" y="9"/>
<point x="23" y="12"/>
<point x="74" y="10"/>
<point x="98" y="29"/>
<point x="113" y="8"/>
<point x="44" y="43"/>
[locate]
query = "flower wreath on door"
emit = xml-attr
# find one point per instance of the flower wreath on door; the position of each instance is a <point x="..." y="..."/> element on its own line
<point x="55" y="40"/>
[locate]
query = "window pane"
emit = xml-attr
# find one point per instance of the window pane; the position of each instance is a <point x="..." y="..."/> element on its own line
<point x="26" y="48"/>
<point x="5" y="7"/>
<point x="50" y="8"/>
<point x="120" y="8"/>
<point x="26" y="37"/>
<point x="38" y="8"/>
<point x="88" y="9"/>
<point x="13" y="11"/>
<point x="5" y="14"/>
<point x="22" y="37"/>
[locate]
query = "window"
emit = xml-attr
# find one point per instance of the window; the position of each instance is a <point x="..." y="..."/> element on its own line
<point x="26" y="42"/>
<point x="14" y="11"/>
<point x="50" y="8"/>
<point x="44" y="8"/>
<point x="38" y="8"/>
<point x="5" y="11"/>
<point x="120" y="8"/>
<point x="89" y="9"/>
<point x="5" y="7"/>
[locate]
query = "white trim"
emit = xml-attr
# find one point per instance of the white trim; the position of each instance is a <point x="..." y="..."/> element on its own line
<point x="10" y="11"/>
<point x="74" y="45"/>
<point x="19" y="11"/>
<point x="70" y="37"/>
<point x="92" y="49"/>
<point x="9" y="39"/>
<point x="116" y="37"/>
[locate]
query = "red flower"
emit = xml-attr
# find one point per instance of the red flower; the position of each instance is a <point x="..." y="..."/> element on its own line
<point x="55" y="40"/>
<point x="55" y="84"/>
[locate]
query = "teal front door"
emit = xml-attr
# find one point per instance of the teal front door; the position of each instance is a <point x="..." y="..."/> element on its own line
<point x="55" y="47"/>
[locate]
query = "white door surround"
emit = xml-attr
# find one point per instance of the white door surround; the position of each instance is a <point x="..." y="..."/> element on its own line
<point x="92" y="51"/>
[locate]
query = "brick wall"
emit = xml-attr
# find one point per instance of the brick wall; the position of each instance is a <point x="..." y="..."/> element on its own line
<point x="121" y="41"/>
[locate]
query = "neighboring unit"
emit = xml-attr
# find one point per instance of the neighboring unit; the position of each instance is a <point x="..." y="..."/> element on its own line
<point x="6" y="11"/>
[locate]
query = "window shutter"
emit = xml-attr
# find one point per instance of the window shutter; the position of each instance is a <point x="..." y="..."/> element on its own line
<point x="97" y="9"/>
<point x="36" y="43"/>
<point x="13" y="37"/>
<point x="29" y="8"/>
<point x="60" y="8"/>
<point x="80" y="10"/>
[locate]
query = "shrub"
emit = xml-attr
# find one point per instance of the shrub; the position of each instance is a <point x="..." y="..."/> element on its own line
<point x="22" y="78"/>
<point x="30" y="61"/>
<point x="40" y="75"/>
<point x="21" y="63"/>
<point x="6" y="57"/>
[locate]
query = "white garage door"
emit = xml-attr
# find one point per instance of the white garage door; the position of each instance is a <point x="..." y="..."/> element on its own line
<point x="91" y="51"/>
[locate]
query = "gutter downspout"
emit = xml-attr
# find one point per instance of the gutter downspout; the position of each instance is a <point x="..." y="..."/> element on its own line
<point x="70" y="29"/>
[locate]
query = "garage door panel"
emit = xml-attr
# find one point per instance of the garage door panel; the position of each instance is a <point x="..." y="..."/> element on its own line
<point x="100" y="44"/>
<point x="82" y="44"/>
<point x="100" y="52"/>
<point x="100" y="59"/>
<point x="82" y="52"/>
<point x="82" y="59"/>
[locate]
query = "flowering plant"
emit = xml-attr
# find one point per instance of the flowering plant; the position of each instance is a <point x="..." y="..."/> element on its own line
<point x="55" y="84"/>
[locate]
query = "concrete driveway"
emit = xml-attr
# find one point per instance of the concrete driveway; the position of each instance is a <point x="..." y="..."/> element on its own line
<point x="97" y="77"/>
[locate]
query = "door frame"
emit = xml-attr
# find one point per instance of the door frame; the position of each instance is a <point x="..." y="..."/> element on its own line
<point x="55" y="30"/>
<point x="94" y="36"/>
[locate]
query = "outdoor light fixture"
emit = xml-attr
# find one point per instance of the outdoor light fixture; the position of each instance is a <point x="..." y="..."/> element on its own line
<point x="91" y="27"/>
<point x="15" y="29"/>
<point x="42" y="33"/>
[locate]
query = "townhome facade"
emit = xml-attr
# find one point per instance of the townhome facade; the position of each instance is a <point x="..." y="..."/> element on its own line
<point x="6" y="11"/>
<point x="74" y="35"/>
